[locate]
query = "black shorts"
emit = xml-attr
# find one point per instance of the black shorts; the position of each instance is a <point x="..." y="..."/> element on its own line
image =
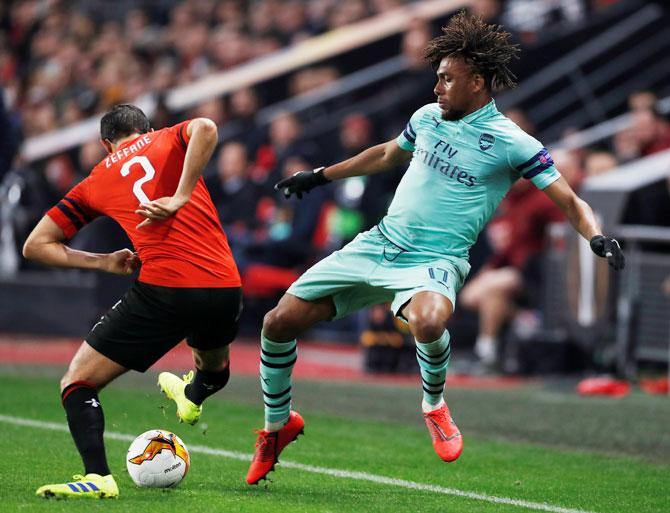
<point x="150" y="320"/>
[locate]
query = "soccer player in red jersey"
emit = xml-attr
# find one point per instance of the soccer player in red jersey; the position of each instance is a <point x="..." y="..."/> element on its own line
<point x="188" y="287"/>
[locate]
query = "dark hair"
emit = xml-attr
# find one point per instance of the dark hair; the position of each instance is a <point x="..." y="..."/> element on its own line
<point x="121" y="121"/>
<point x="485" y="47"/>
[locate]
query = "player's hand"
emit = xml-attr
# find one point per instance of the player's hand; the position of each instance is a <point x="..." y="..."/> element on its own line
<point x="123" y="262"/>
<point x="302" y="182"/>
<point x="160" y="209"/>
<point x="609" y="248"/>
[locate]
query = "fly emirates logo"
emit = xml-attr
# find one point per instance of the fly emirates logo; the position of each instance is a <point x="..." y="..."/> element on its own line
<point x="119" y="155"/>
<point x="440" y="159"/>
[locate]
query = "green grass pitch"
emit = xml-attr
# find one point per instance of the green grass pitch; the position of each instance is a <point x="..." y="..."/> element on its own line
<point x="365" y="449"/>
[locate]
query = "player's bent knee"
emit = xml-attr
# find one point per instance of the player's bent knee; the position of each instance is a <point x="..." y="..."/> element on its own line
<point x="279" y="325"/>
<point x="212" y="360"/>
<point x="70" y="378"/>
<point x="428" y="324"/>
<point x="428" y="332"/>
<point x="65" y="381"/>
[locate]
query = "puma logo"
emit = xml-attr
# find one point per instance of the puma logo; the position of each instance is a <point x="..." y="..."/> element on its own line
<point x="93" y="402"/>
<point x="441" y="434"/>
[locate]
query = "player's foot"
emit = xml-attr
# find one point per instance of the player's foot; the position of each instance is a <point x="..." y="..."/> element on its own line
<point x="486" y="351"/>
<point x="447" y="439"/>
<point x="270" y="444"/>
<point x="173" y="387"/>
<point x="90" y="486"/>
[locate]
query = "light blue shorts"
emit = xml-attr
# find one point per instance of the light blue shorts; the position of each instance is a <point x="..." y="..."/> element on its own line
<point x="371" y="270"/>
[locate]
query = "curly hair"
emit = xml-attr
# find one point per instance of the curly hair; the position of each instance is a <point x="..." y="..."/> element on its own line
<point x="487" y="48"/>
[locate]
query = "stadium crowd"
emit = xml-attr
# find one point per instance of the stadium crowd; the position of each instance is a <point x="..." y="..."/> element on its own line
<point x="61" y="62"/>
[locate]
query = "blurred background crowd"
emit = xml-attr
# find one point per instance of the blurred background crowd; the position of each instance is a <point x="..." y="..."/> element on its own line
<point x="62" y="62"/>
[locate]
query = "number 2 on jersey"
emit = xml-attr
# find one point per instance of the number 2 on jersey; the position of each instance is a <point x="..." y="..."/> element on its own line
<point x="149" y="173"/>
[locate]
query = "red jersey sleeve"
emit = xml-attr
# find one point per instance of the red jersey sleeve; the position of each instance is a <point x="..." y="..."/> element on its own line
<point x="73" y="212"/>
<point x="179" y="131"/>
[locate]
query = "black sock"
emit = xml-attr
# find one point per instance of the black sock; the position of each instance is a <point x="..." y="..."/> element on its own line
<point x="205" y="384"/>
<point x="87" y="423"/>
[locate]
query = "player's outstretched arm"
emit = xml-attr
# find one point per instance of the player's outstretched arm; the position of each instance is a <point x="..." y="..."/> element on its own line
<point x="44" y="245"/>
<point x="581" y="216"/>
<point x="376" y="159"/>
<point x="203" y="136"/>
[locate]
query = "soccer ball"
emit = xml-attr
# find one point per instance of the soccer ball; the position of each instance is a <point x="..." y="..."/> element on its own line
<point x="157" y="459"/>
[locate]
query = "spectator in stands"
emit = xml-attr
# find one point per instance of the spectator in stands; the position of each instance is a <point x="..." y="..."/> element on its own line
<point x="61" y="174"/>
<point x="625" y="145"/>
<point x="347" y="12"/>
<point x="513" y="273"/>
<point x="99" y="53"/>
<point x="284" y="140"/>
<point x="288" y="236"/>
<point x="357" y="132"/>
<point x="90" y="154"/>
<point x="599" y="162"/>
<point x="521" y="119"/>
<point x="648" y="133"/>
<point x="414" y="85"/>
<point x="291" y="22"/>
<point x="163" y="75"/>
<point x="641" y="100"/>
<point x="244" y="104"/>
<point x="529" y="18"/>
<point x="489" y="10"/>
<point x="312" y="78"/>
<point x="650" y="205"/>
<point x="11" y="138"/>
<point x="214" y="109"/>
<point x="233" y="194"/>
<point x="651" y="131"/>
<point x="229" y="48"/>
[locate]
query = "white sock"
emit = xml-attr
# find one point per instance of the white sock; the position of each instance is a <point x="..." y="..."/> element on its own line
<point x="485" y="348"/>
<point x="427" y="407"/>
<point x="275" y="426"/>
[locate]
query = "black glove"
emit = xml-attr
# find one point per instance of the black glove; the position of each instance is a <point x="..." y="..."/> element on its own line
<point x="302" y="181"/>
<point x="610" y="249"/>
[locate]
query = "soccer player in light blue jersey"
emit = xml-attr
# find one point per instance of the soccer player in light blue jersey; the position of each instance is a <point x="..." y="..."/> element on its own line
<point x="464" y="156"/>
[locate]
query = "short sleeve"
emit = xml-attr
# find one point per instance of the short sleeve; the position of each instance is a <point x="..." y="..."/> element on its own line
<point x="73" y="212"/>
<point x="533" y="162"/>
<point x="407" y="139"/>
<point x="179" y="130"/>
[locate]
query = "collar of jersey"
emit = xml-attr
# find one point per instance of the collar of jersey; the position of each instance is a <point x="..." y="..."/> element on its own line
<point x="486" y="111"/>
<point x="128" y="143"/>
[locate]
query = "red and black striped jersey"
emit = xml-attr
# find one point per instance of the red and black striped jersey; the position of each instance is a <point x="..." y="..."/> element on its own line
<point x="189" y="249"/>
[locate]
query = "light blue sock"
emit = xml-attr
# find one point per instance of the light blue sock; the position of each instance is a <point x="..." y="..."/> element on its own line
<point x="433" y="359"/>
<point x="277" y="360"/>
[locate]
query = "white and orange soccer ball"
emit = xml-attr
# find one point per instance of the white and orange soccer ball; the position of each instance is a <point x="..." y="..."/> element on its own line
<point x="157" y="459"/>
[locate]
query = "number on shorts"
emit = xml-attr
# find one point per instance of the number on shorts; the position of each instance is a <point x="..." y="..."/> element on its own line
<point x="149" y="173"/>
<point x="434" y="276"/>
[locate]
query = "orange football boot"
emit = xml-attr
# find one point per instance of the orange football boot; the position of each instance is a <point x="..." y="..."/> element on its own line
<point x="269" y="446"/>
<point x="447" y="439"/>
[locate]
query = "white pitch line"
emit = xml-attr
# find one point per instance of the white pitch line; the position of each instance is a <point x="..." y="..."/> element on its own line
<point x="343" y="474"/>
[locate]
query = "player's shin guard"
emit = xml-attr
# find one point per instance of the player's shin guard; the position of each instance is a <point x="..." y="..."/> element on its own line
<point x="277" y="360"/>
<point x="433" y="359"/>
<point x="87" y="424"/>
<point x="205" y="384"/>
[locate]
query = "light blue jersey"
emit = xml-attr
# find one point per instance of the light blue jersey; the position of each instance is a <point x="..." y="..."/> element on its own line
<point x="459" y="173"/>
